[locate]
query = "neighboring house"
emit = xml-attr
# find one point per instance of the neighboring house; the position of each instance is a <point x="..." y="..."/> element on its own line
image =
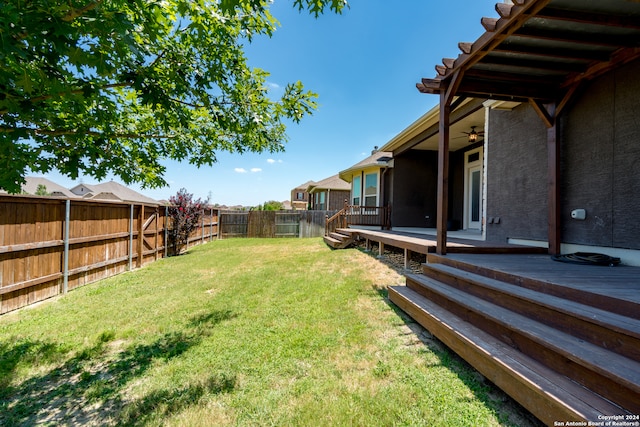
<point x="110" y="191"/>
<point x="33" y="183"/>
<point x="328" y="194"/>
<point x="300" y="196"/>
<point x="370" y="180"/>
<point x="286" y="205"/>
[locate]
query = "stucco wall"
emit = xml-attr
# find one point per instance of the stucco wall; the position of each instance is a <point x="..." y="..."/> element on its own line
<point x="600" y="158"/>
<point x="516" y="175"/>
<point x="601" y="162"/>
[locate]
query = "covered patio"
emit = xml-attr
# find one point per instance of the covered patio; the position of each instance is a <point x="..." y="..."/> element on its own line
<point x="562" y="339"/>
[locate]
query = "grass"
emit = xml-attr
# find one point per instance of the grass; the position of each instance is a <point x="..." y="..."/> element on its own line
<point x="238" y="332"/>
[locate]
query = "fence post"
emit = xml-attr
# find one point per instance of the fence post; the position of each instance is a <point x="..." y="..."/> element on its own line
<point x="155" y="237"/>
<point x="65" y="266"/>
<point x="211" y="225"/>
<point x="166" y="230"/>
<point x="140" y="248"/>
<point x="131" y="238"/>
<point x="202" y="226"/>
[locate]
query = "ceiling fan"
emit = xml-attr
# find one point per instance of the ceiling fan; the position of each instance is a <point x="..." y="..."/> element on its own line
<point x="473" y="135"/>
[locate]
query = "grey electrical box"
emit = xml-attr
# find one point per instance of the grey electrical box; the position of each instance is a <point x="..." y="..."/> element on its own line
<point x="580" y="214"/>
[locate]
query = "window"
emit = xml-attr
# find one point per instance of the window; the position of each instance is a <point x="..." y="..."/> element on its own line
<point x="299" y="196"/>
<point x="321" y="205"/>
<point x="371" y="189"/>
<point x="355" y="191"/>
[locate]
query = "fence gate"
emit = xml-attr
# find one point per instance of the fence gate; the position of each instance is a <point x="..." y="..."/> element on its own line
<point x="233" y="224"/>
<point x="287" y="224"/>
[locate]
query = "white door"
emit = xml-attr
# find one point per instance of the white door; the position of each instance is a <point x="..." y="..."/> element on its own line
<point x="473" y="190"/>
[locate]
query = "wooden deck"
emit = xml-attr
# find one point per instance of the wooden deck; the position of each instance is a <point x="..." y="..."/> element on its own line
<point x="425" y="244"/>
<point x="612" y="287"/>
<point x="562" y="339"/>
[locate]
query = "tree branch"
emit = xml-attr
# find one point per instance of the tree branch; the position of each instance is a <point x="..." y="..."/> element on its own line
<point x="74" y="13"/>
<point x="64" y="132"/>
<point x="70" y="92"/>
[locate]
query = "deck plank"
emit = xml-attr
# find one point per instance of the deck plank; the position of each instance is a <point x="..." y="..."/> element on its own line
<point x="548" y="395"/>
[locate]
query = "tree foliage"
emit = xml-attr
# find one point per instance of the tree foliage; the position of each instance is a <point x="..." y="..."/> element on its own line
<point x="185" y="214"/>
<point x="271" y="205"/>
<point x="41" y="190"/>
<point x="114" y="86"/>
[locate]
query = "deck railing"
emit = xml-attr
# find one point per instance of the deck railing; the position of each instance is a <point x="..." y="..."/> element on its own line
<point x="359" y="215"/>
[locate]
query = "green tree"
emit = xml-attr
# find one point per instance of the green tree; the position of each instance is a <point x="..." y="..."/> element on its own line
<point x="115" y="86"/>
<point x="41" y="190"/>
<point x="272" y="205"/>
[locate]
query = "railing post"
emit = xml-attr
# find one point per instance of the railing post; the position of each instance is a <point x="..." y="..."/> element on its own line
<point x="326" y="224"/>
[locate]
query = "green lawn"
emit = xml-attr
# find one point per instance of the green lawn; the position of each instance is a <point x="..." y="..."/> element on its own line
<point x="238" y="332"/>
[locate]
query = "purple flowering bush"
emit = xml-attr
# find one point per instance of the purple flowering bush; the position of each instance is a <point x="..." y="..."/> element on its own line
<point x="185" y="214"/>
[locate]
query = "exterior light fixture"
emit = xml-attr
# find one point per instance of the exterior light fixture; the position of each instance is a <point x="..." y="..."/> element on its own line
<point x="473" y="135"/>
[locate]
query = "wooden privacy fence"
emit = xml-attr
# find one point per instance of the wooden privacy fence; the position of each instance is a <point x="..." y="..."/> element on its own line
<point x="49" y="246"/>
<point x="272" y="223"/>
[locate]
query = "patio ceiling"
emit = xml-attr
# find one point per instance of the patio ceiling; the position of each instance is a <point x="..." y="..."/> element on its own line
<point x="541" y="51"/>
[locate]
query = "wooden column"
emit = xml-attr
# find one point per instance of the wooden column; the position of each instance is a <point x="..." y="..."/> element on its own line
<point x="549" y="114"/>
<point x="553" y="166"/>
<point x="443" y="174"/>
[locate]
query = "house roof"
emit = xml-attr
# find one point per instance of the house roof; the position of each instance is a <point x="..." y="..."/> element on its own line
<point x="541" y="51"/>
<point x="56" y="190"/>
<point x="378" y="158"/>
<point x="332" y="183"/>
<point x="304" y="186"/>
<point x="112" y="191"/>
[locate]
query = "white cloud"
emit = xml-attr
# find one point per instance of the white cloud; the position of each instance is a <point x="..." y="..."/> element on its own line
<point x="273" y="85"/>
<point x="272" y="161"/>
<point x="240" y="170"/>
<point x="256" y="170"/>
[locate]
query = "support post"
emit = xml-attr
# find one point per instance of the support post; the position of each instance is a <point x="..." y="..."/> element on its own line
<point x="553" y="153"/>
<point x="407" y="254"/>
<point x="443" y="174"/>
<point x="380" y="249"/>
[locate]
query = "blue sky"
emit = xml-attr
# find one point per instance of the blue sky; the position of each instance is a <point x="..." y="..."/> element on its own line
<point x="363" y="64"/>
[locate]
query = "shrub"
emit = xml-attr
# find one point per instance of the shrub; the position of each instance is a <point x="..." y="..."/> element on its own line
<point x="185" y="215"/>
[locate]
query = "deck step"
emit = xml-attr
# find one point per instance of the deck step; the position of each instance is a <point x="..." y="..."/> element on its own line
<point x="612" y="331"/>
<point x="548" y="395"/>
<point x="609" y="303"/>
<point x="334" y="243"/>
<point x="338" y="240"/>
<point x="614" y="376"/>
